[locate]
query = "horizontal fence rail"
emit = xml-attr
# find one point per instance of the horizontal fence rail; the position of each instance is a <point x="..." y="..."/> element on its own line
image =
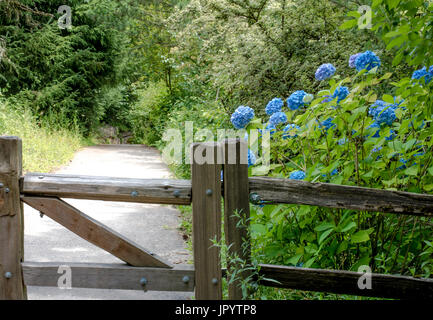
<point x="346" y="282"/>
<point x="110" y="276"/>
<point x="275" y="190"/>
<point x="158" y="191"/>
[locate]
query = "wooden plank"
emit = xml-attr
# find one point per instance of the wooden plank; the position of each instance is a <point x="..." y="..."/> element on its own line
<point x="110" y="276"/>
<point x="275" y="190"/>
<point x="346" y="282"/>
<point x="95" y="232"/>
<point x="11" y="221"/>
<point x="206" y="206"/>
<point x="160" y="191"/>
<point x="236" y="191"/>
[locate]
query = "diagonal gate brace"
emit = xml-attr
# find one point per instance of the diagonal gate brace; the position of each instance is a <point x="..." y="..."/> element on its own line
<point x="95" y="232"/>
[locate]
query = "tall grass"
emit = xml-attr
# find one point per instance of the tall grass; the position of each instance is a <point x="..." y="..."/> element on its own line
<point x="44" y="148"/>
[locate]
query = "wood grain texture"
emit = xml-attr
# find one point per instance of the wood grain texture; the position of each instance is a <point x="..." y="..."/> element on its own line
<point x="159" y="191"/>
<point x="346" y="282"/>
<point x="206" y="222"/>
<point x="275" y="190"/>
<point x="236" y="200"/>
<point x="110" y="276"/>
<point x="95" y="232"/>
<point x="11" y="221"/>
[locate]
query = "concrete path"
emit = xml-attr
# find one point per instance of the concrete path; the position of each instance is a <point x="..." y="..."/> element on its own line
<point x="152" y="226"/>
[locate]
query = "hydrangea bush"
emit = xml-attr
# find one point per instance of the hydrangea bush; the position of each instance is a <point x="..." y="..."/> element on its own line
<point x="349" y="133"/>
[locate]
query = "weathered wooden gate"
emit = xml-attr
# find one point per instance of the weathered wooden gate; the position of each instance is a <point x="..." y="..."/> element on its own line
<point x="146" y="271"/>
<point x="143" y="270"/>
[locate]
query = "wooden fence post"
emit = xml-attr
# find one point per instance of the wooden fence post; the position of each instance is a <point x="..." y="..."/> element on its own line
<point x="11" y="221"/>
<point x="206" y="206"/>
<point x="236" y="199"/>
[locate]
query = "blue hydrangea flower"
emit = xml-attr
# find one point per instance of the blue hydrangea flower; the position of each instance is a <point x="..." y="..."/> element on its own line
<point x="290" y="131"/>
<point x="341" y="93"/>
<point x="352" y="60"/>
<point x="297" y="175"/>
<point x="327" y="124"/>
<point x="376" y="107"/>
<point x="325" y="71"/>
<point x="296" y="99"/>
<point x="423" y="73"/>
<point x="376" y="149"/>
<point x="242" y="116"/>
<point x="275" y="105"/>
<point x="277" y="118"/>
<point x="251" y="158"/>
<point x="387" y="116"/>
<point x="367" y="60"/>
<point x="382" y="112"/>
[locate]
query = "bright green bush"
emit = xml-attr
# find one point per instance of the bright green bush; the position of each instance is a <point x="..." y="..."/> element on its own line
<point x="44" y="149"/>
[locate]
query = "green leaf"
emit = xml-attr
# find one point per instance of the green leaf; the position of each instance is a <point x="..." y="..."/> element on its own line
<point x="361" y="236"/>
<point x="324" y="226"/>
<point x="309" y="262"/>
<point x="411" y="171"/>
<point x="295" y="259"/>
<point x="349" y="226"/>
<point x="259" y="228"/>
<point x="388" y="98"/>
<point x="324" y="235"/>
<point x="349" y="24"/>
<point x="342" y="247"/>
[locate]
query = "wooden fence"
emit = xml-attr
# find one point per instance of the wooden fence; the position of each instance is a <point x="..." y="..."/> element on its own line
<point x="146" y="271"/>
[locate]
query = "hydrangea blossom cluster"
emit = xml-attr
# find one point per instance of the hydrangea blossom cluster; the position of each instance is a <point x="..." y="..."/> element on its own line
<point x="296" y="99"/>
<point x="277" y="118"/>
<point x="297" y="175"/>
<point x="352" y="60"/>
<point x="325" y="71"/>
<point x="367" y="60"/>
<point x="275" y="105"/>
<point x="383" y="113"/>
<point x="423" y="74"/>
<point x="290" y="131"/>
<point x="242" y="116"/>
<point x="251" y="158"/>
<point x="341" y="93"/>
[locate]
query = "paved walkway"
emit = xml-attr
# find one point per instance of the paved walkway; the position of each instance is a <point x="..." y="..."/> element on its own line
<point x="152" y="226"/>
